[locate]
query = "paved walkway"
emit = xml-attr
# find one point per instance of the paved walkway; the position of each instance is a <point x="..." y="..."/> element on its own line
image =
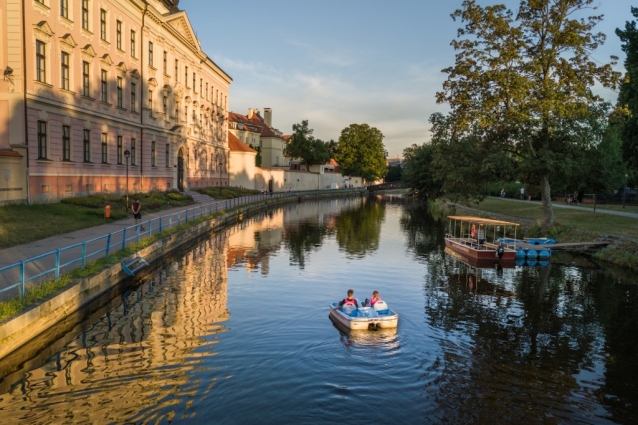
<point x="32" y="249"/>
<point x="573" y="207"/>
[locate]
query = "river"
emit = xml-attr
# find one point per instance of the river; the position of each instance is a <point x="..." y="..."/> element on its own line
<point x="235" y="330"/>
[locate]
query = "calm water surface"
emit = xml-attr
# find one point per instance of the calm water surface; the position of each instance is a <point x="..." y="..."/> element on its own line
<point x="236" y="330"/>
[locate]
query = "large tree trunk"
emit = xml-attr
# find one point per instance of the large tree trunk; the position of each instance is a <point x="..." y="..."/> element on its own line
<point x="546" y="195"/>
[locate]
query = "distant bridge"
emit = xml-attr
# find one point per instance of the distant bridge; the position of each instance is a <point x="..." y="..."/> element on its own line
<point x="385" y="186"/>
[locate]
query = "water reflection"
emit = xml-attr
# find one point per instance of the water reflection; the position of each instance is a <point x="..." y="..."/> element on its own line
<point x="139" y="362"/>
<point x="359" y="229"/>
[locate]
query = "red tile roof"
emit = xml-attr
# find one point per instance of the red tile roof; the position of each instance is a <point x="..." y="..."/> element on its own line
<point x="9" y="153"/>
<point x="256" y="120"/>
<point x="237" y="145"/>
<point x="333" y="162"/>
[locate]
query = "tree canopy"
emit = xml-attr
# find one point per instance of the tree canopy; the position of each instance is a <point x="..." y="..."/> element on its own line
<point x="521" y="83"/>
<point x="304" y="146"/>
<point x="627" y="108"/>
<point x="360" y="152"/>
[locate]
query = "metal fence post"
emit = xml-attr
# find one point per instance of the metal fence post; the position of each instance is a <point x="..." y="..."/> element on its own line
<point x="83" y="254"/>
<point x="57" y="263"/>
<point x="124" y="238"/>
<point x="108" y="244"/>
<point x="22" y="279"/>
<point x="160" y="225"/>
<point x="150" y="227"/>
<point x="137" y="234"/>
<point x="186" y="216"/>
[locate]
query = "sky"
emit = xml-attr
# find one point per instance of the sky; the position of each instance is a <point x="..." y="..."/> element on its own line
<point x="340" y="62"/>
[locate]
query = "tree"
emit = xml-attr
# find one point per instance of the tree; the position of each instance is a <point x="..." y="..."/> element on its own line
<point x="304" y="146"/>
<point x="525" y="81"/>
<point x="627" y="107"/>
<point x="332" y="148"/>
<point x="360" y="152"/>
<point x="395" y="173"/>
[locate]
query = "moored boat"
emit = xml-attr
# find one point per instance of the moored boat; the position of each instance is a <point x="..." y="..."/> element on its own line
<point x="351" y="317"/>
<point x="471" y="238"/>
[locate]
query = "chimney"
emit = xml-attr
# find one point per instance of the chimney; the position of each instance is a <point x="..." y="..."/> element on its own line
<point x="251" y="111"/>
<point x="268" y="117"/>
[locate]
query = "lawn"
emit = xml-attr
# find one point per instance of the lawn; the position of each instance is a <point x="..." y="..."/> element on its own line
<point x="583" y="220"/>
<point x="219" y="192"/>
<point x="21" y="224"/>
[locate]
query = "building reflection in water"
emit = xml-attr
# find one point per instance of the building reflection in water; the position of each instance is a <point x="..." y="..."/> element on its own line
<point x="138" y="362"/>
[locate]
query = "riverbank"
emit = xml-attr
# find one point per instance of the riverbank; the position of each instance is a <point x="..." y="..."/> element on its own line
<point x="78" y="289"/>
<point x="572" y="225"/>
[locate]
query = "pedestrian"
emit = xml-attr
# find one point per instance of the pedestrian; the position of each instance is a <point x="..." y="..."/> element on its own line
<point x="136" y="207"/>
<point x="522" y="193"/>
<point x="503" y="193"/>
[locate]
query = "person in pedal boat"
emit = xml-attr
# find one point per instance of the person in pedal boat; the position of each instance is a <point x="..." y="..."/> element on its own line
<point x="372" y="301"/>
<point x="350" y="300"/>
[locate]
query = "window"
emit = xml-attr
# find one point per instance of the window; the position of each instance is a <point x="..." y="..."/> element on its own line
<point x="176" y="69"/>
<point x="201" y="85"/>
<point x="165" y="64"/>
<point x="185" y="113"/>
<point x="165" y="105"/>
<point x="64" y="8"/>
<point x="118" y="34"/>
<point x="103" y="24"/>
<point x="66" y="143"/>
<point x="194" y="80"/>
<point x="133" y="97"/>
<point x="40" y="61"/>
<point x="133" y="53"/>
<point x="168" y="155"/>
<point x="64" y="72"/>
<point x="153" y="154"/>
<point x="186" y="76"/>
<point x="87" y="145"/>
<point x="206" y="91"/>
<point x="85" y="14"/>
<point x="150" y="101"/>
<point x="150" y="53"/>
<point x="176" y="109"/>
<point x="133" y="152"/>
<point x="42" y="140"/>
<point x="103" y="86"/>
<point x="119" y="149"/>
<point x="86" y="87"/>
<point x="104" y="148"/>
<point x="120" y="95"/>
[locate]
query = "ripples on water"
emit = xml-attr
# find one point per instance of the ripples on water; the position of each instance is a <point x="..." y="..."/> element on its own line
<point x="236" y="330"/>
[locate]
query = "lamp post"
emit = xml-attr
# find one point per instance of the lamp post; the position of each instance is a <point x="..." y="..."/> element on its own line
<point x="221" y="175"/>
<point x="624" y="192"/>
<point x="127" y="154"/>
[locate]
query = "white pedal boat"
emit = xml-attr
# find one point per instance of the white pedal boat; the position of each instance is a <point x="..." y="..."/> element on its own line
<point x="379" y="316"/>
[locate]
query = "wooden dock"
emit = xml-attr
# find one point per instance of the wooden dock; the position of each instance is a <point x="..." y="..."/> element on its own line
<point x="565" y="246"/>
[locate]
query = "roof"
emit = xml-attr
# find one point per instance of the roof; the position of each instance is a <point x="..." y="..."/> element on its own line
<point x="333" y="162"/>
<point x="234" y="144"/>
<point x="481" y="220"/>
<point x="256" y="120"/>
<point x="10" y="153"/>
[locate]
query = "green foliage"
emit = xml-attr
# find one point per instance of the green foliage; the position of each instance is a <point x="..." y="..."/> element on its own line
<point x="360" y="152"/>
<point x="417" y="172"/>
<point x="226" y="192"/>
<point x="359" y="229"/>
<point x="395" y="173"/>
<point x="627" y="107"/>
<point x="303" y="145"/>
<point x="332" y="148"/>
<point x="522" y="84"/>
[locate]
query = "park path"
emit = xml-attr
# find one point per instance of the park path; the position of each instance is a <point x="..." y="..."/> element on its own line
<point x="17" y="253"/>
<point x="573" y="207"/>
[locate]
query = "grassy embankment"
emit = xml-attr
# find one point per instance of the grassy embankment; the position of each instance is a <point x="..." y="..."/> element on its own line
<point x="575" y="226"/>
<point x="20" y="224"/>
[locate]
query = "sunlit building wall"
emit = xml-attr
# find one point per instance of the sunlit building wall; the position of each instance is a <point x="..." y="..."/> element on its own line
<point x="99" y="79"/>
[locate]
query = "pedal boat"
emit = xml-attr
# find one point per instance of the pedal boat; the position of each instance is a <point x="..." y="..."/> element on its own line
<point x="362" y="318"/>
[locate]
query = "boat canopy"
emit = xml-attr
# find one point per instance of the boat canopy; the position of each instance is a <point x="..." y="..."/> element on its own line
<point x="481" y="220"/>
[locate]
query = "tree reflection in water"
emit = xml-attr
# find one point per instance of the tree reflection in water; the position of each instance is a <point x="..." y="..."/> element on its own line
<point x="359" y="229"/>
<point x="533" y="358"/>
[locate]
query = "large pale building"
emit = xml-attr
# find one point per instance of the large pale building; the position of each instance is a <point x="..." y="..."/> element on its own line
<point x="87" y="81"/>
<point x="258" y="132"/>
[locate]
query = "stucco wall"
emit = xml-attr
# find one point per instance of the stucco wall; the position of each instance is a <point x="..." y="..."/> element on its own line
<point x="242" y="169"/>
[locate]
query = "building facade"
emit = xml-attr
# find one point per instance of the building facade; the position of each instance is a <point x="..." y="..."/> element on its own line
<point x="107" y="96"/>
<point x="258" y="132"/>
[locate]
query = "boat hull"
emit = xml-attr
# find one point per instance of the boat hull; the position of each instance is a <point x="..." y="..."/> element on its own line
<point x="486" y="253"/>
<point x="363" y="323"/>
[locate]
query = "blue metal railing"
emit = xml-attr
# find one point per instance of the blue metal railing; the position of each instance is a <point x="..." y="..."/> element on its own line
<point x="52" y="264"/>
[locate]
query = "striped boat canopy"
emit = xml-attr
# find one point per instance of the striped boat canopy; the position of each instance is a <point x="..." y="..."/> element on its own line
<point x="481" y="220"/>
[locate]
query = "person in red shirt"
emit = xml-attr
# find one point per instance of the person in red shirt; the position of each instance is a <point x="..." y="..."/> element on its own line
<point x="350" y="300"/>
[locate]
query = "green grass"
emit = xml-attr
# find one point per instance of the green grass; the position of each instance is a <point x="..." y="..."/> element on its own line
<point x="223" y="192"/>
<point x="20" y="224"/>
<point x="575" y="219"/>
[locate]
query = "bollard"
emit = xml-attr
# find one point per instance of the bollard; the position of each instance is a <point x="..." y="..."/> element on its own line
<point x="107" y="212"/>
